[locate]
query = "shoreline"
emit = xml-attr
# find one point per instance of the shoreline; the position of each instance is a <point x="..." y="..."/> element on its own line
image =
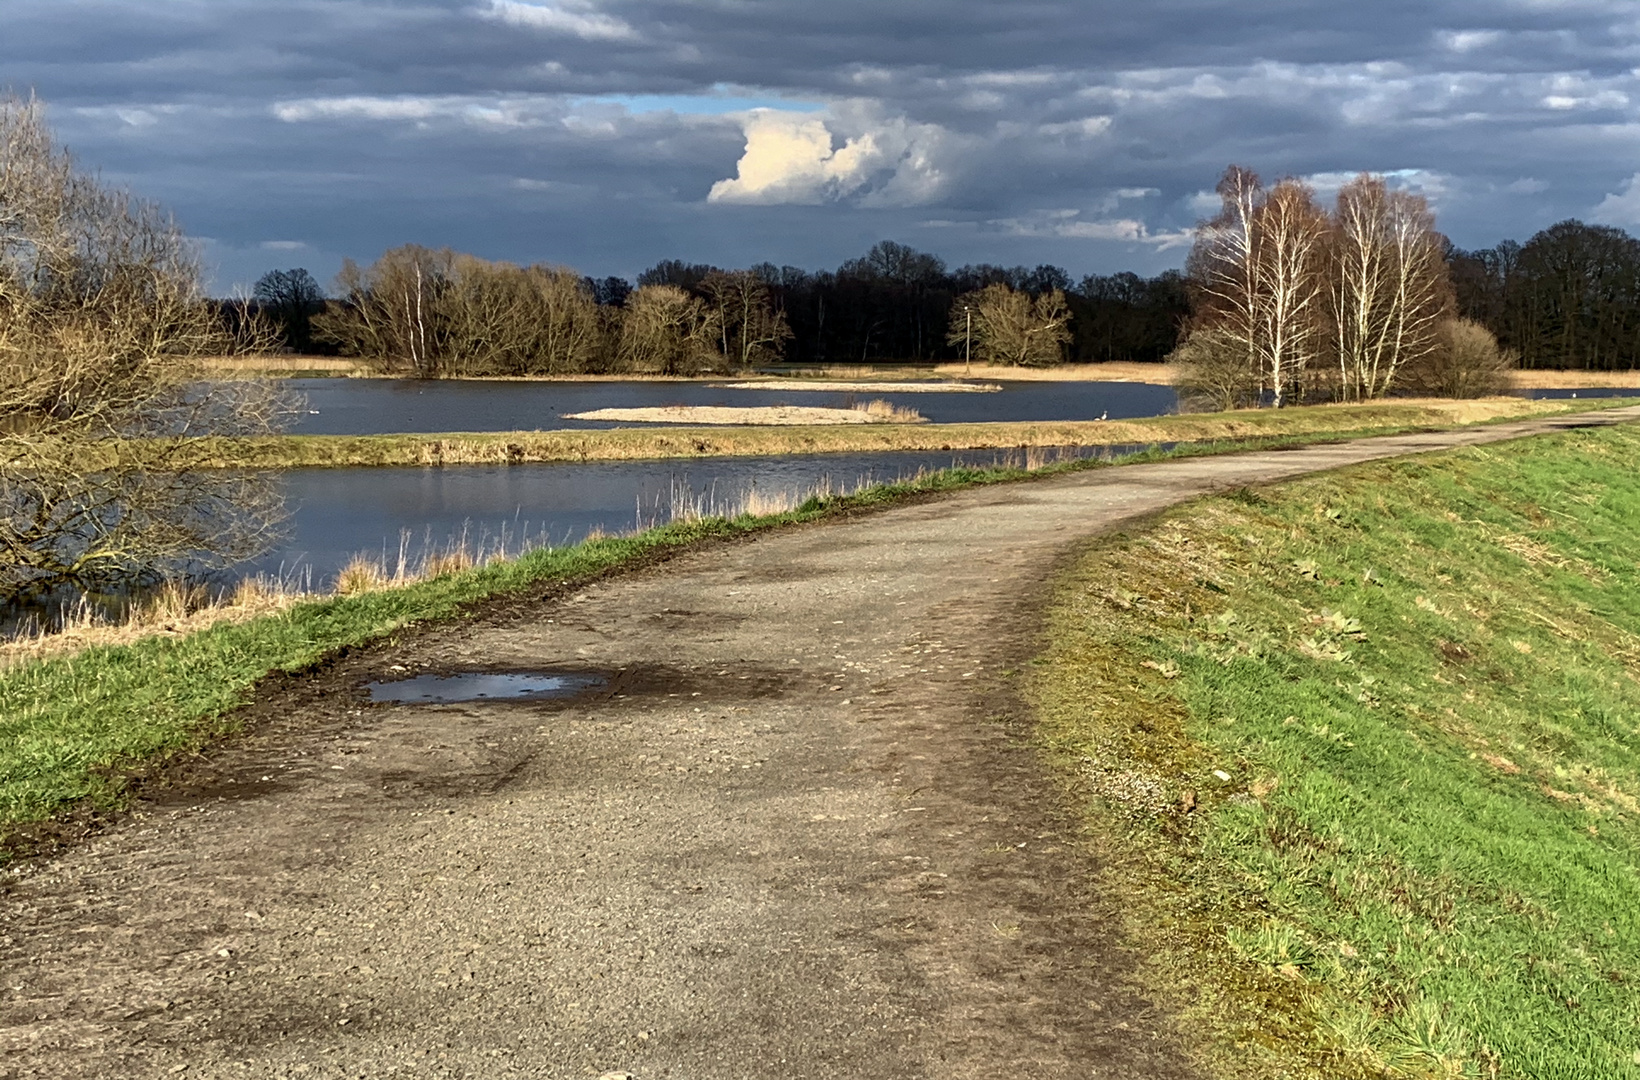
<point x="908" y="378"/>
<point x="662" y="443"/>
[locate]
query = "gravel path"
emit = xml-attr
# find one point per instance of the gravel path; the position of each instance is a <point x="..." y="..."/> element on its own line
<point x="797" y="835"/>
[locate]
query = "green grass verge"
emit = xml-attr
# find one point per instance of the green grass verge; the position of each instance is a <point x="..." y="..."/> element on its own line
<point x="1363" y="755"/>
<point x="72" y="728"/>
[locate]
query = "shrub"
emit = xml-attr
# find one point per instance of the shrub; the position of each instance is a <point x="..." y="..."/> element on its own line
<point x="1214" y="372"/>
<point x="1467" y="362"/>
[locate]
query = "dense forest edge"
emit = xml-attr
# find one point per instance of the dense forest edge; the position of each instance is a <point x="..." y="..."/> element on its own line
<point x="1566" y="299"/>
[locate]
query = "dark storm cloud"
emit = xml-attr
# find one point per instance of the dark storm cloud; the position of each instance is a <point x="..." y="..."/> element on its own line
<point x="608" y="135"/>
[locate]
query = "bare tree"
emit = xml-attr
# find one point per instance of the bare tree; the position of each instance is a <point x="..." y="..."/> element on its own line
<point x="102" y="476"/>
<point x="1011" y="326"/>
<point x="1290" y="231"/>
<point x="1213" y="372"/>
<point x="666" y="331"/>
<point x="1388" y="289"/>
<point x="290" y="298"/>
<point x="437" y="313"/>
<point x="1464" y="362"/>
<point x="750" y="329"/>
<point x="570" y="329"/>
<point x="390" y="311"/>
<point x="1226" y="273"/>
<point x="1257" y="270"/>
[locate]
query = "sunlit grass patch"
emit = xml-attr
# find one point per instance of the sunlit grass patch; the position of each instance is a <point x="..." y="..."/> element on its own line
<point x="1364" y="751"/>
<point x="79" y="710"/>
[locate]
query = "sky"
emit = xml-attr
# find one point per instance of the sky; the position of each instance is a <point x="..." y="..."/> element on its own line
<point x="607" y="135"/>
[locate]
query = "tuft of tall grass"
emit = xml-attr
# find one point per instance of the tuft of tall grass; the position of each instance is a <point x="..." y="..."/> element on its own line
<point x="886" y="411"/>
<point x="361" y="574"/>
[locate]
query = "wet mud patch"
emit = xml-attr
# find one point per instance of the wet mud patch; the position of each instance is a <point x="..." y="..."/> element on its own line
<point x="436" y="684"/>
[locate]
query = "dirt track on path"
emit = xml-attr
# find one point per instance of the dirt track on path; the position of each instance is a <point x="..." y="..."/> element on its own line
<point x="797" y="835"/>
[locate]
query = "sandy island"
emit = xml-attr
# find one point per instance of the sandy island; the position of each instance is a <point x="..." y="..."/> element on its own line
<point x="767" y="415"/>
<point x="835" y="385"/>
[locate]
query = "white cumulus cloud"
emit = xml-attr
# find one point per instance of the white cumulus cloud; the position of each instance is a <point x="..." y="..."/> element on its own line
<point x="789" y="158"/>
<point x="792" y="158"/>
<point x="1622" y="207"/>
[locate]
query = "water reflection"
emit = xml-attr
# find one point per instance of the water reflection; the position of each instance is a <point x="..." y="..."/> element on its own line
<point x="338" y="513"/>
<point x="398" y="516"/>
<point x="481" y="686"/>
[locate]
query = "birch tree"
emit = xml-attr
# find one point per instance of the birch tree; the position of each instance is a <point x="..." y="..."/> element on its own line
<point x="1388" y="286"/>
<point x="1289" y="232"/>
<point x="391" y="312"/>
<point x="1226" y="272"/>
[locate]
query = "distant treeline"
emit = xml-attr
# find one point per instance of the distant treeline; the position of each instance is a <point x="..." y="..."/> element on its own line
<point x="437" y="312"/>
<point x="897" y="303"/>
<point x="1567" y="298"/>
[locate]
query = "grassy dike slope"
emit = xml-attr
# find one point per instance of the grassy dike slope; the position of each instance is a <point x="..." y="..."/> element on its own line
<point x="1364" y="754"/>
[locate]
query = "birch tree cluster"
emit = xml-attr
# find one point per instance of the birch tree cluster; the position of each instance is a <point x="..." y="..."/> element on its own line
<point x="101" y="397"/>
<point x="1293" y="302"/>
<point x="440" y="314"/>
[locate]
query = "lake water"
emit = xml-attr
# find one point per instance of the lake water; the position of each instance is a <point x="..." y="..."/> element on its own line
<point x="393" y="513"/>
<point x="338" y="513"/>
<point x="386" y="406"/>
<point x="1583" y="392"/>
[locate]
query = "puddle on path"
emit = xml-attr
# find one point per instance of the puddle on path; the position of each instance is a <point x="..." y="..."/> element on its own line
<point x="482" y="686"/>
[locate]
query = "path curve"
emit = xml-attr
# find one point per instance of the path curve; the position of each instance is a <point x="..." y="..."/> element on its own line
<point x="797" y="837"/>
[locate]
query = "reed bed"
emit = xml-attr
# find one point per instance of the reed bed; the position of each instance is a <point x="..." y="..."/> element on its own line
<point x="262" y="365"/>
<point x="1112" y="371"/>
<point x="179" y="607"/>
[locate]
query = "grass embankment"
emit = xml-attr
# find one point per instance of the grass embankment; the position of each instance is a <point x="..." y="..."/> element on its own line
<point x="74" y="724"/>
<point x="1364" y="754"/>
<point x="635" y="444"/>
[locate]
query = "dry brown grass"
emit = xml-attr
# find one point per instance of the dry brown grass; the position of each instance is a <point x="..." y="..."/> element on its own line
<point x="362" y="574"/>
<point x="178" y="608"/>
<point x="1572" y="380"/>
<point x="261" y="365"/>
<point x="874" y="412"/>
<point x="453" y="561"/>
<point x="886" y="412"/>
<point x="931" y="386"/>
<point x="635" y="444"/>
<point x="175" y="610"/>
<point x="1115" y="371"/>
